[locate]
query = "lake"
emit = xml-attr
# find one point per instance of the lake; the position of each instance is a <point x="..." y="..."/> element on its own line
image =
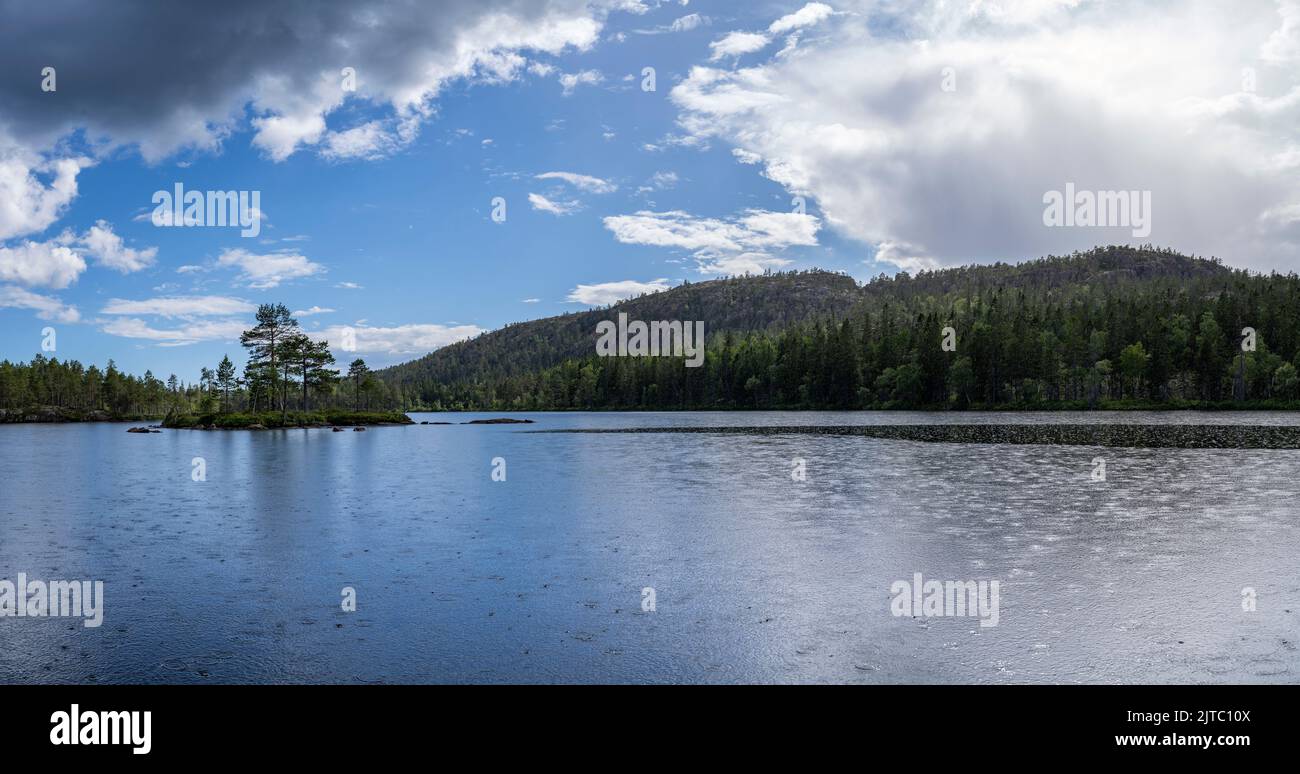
<point x="548" y="575"/>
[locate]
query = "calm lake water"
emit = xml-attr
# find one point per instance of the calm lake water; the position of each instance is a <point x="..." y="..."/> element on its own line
<point x="756" y="577"/>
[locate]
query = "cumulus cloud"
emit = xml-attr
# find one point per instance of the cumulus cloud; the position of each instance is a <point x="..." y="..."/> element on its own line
<point x="932" y="131"/>
<point x="737" y="245"/>
<point x="313" y="311"/>
<point x="270" y="269"/>
<point x="27" y="204"/>
<point x="399" y="340"/>
<point x="41" y="264"/>
<point x="605" y="293"/>
<point x="109" y="250"/>
<point x="46" y="307"/>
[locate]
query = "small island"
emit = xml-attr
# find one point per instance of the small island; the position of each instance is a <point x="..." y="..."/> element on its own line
<point x="269" y="420"/>
<point x="288" y="382"/>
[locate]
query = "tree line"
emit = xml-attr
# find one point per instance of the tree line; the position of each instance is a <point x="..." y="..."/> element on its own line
<point x="1115" y="327"/>
<point x="285" y="370"/>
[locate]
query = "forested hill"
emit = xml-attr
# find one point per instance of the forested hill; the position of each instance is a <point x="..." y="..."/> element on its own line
<point x="768" y="302"/>
<point x="1115" y="326"/>
<point x="1106" y="267"/>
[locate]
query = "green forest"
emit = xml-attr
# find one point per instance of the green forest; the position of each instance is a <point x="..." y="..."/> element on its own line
<point x="1115" y="327"/>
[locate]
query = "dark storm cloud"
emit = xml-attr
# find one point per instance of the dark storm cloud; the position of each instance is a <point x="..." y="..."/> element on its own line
<point x="164" y="74"/>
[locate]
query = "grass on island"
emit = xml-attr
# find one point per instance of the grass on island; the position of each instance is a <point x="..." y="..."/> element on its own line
<point x="270" y="419"/>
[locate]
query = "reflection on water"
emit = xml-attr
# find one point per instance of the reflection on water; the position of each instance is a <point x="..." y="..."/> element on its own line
<point x="539" y="578"/>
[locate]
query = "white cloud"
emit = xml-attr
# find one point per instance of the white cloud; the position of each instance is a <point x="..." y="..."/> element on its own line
<point x="719" y="246"/>
<point x="312" y="311"/>
<point x="41" y="264"/>
<point x="179" y="306"/>
<point x="608" y="292"/>
<point x="108" y="250"/>
<point x="27" y="205"/>
<point x="270" y="269"/>
<point x="1283" y="46"/>
<point x="743" y="263"/>
<point x="371" y="140"/>
<point x="191" y="333"/>
<point x="807" y="16"/>
<point x="571" y="81"/>
<point x="46" y="307"/>
<point x="681" y="24"/>
<point x="349" y="286"/>
<point x="659" y="181"/>
<point x="687" y="23"/>
<point x="906" y="257"/>
<point x="1141" y="96"/>
<point x="401" y="339"/>
<point x="543" y="204"/>
<point x="738" y="44"/>
<point x="541" y="69"/>
<point x="583" y="182"/>
<point x="126" y="319"/>
<point x="532" y="300"/>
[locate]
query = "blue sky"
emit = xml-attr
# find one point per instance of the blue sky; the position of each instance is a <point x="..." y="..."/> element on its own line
<point x="377" y="202"/>
<point x="412" y="230"/>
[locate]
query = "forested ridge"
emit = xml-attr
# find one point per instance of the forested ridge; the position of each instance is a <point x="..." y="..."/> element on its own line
<point x="1113" y="327"/>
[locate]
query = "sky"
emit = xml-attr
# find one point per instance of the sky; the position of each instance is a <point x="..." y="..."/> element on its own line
<point x="425" y="172"/>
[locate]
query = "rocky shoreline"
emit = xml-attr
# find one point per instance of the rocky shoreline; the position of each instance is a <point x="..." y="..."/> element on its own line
<point x="1114" y="435"/>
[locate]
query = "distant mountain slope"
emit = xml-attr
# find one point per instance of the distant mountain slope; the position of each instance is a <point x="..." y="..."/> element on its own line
<point x="1116" y="323"/>
<point x="768" y="302"/>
